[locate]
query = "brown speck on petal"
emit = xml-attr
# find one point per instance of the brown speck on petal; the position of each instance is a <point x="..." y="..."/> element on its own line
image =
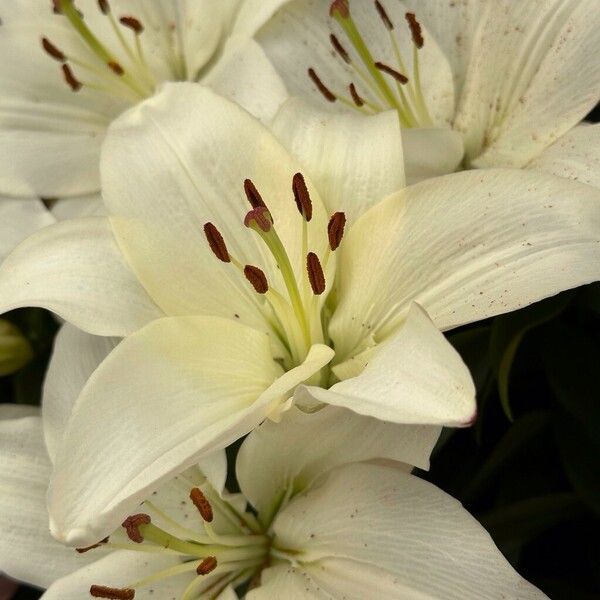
<point x="315" y="273"/>
<point x="202" y="504"/>
<point x="101" y="591"/>
<point x="207" y="565"/>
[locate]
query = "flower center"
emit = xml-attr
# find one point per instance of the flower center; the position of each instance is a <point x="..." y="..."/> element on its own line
<point x="298" y="317"/>
<point x="378" y="86"/>
<point x="124" y="72"/>
<point x="229" y="559"/>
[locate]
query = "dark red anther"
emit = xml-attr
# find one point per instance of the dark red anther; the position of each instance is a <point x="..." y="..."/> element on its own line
<point x="101" y="591"/>
<point x="83" y="550"/>
<point x="253" y="194"/>
<point x="383" y="15"/>
<point x="53" y="51"/>
<point x="337" y="46"/>
<point x="114" y="66"/>
<point x="104" y="6"/>
<point x="70" y="78"/>
<point x="257" y="278"/>
<point x="302" y="196"/>
<point x="207" y="565"/>
<point x="315" y="273"/>
<point x="339" y="8"/>
<point x="335" y="229"/>
<point x="216" y="242"/>
<point x="259" y="217"/>
<point x="395" y="74"/>
<point x="132" y="23"/>
<point x="132" y="526"/>
<point x="415" y="29"/>
<point x="56" y="7"/>
<point x="355" y="95"/>
<point x="325" y="91"/>
<point x="202" y="504"/>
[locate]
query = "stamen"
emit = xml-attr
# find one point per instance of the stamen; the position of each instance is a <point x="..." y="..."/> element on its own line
<point x="104" y="6"/>
<point x="337" y="46"/>
<point x="395" y="74"/>
<point x="83" y="550"/>
<point x="325" y="91"/>
<point x="116" y="67"/>
<point x="415" y="29"/>
<point x="257" y="278"/>
<point x="70" y="78"/>
<point x="56" y="7"/>
<point x="259" y="217"/>
<point x="100" y="591"/>
<point x="384" y="16"/>
<point x="53" y="51"/>
<point x="339" y="8"/>
<point x="202" y="504"/>
<point x="315" y="273"/>
<point x="302" y="197"/>
<point x="216" y="242"/>
<point x="335" y="229"/>
<point x="207" y="565"/>
<point x="355" y="96"/>
<point x="132" y="526"/>
<point x="253" y="195"/>
<point x="132" y="23"/>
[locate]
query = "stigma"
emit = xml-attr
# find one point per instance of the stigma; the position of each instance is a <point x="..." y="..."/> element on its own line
<point x="377" y="85"/>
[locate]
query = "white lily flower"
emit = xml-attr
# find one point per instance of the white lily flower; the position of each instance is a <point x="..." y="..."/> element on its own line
<point x="69" y="69"/>
<point x="221" y="333"/>
<point x="325" y="525"/>
<point x="475" y="83"/>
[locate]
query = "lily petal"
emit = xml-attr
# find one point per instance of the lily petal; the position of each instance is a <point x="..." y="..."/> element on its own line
<point x="353" y="160"/>
<point x="274" y="456"/>
<point x="394" y="522"/>
<point x="75" y="269"/>
<point x="191" y="385"/>
<point x="90" y="205"/>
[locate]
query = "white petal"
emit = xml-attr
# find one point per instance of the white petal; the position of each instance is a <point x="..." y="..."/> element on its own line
<point x="415" y="378"/>
<point x="576" y="155"/>
<point x="75" y="357"/>
<point x="75" y="269"/>
<point x="246" y="76"/>
<point x="161" y="196"/>
<point x="191" y="385"/>
<point x="428" y="544"/>
<point x="76" y="207"/>
<point x="27" y="551"/>
<point x="465" y="246"/>
<point x="253" y="14"/>
<point x="276" y="456"/>
<point x="19" y="218"/>
<point x="354" y="160"/>
<point x="119" y="569"/>
<point x="530" y="79"/>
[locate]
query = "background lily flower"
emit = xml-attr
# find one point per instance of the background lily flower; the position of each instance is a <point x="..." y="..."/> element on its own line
<point x="215" y="346"/>
<point x="483" y="84"/>
<point x="326" y="522"/>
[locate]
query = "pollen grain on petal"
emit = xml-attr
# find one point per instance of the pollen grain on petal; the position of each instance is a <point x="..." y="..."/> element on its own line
<point x="383" y="15"/>
<point x="70" y="78"/>
<point x="335" y="230"/>
<point x="202" y="504"/>
<point x="53" y="51"/>
<point x="399" y="77"/>
<point x="257" y="278"/>
<point x="101" y="591"/>
<point x="83" y="550"/>
<point x="302" y="196"/>
<point x="132" y="526"/>
<point x="415" y="29"/>
<point x="132" y="23"/>
<point x="315" y="273"/>
<point x="208" y="565"/>
<point x="252" y="194"/>
<point x="337" y="46"/>
<point x="216" y="242"/>
<point x="325" y="91"/>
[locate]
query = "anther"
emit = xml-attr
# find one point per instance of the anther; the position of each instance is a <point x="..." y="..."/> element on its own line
<point x="325" y="91"/>
<point x="132" y="526"/>
<point x="52" y="50"/>
<point x="315" y="273"/>
<point x="70" y="78"/>
<point x="383" y="15"/>
<point x="202" y="504"/>
<point x="302" y="197"/>
<point x="207" y="565"/>
<point x="395" y="74"/>
<point x="355" y="95"/>
<point x="415" y="29"/>
<point x="335" y="229"/>
<point x="104" y="6"/>
<point x="259" y="217"/>
<point x="337" y="46"/>
<point x="216" y="242"/>
<point x="56" y="9"/>
<point x="83" y="550"/>
<point x="339" y="8"/>
<point x="100" y="591"/>
<point x="132" y="23"/>
<point x="253" y="194"/>
<point x="257" y="278"/>
<point x="114" y="66"/>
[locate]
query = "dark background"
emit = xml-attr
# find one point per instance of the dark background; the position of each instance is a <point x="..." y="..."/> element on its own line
<point x="529" y="470"/>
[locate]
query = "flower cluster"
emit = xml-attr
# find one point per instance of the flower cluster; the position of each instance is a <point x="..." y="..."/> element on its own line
<point x="254" y="220"/>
